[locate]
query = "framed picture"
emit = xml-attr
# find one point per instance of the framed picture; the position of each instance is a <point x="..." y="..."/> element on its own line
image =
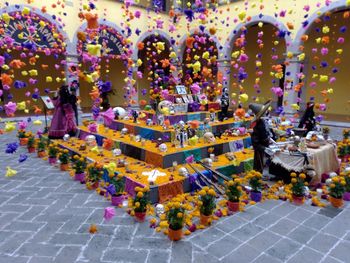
<point x="47" y="102"/>
<point x="181" y="90"/>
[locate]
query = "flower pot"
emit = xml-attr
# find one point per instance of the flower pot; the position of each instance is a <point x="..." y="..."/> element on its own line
<point x="31" y="150"/>
<point x="64" y="166"/>
<point x="346" y="196"/>
<point x="79" y="177"/>
<point x="233" y="206"/>
<point x="336" y="202"/>
<point x="140" y="216"/>
<point x="23" y="141"/>
<point x="93" y="186"/>
<point x="174" y="235"/>
<point x="205" y="220"/>
<point x="52" y="160"/>
<point x="256" y="196"/>
<point x="117" y="200"/>
<point x="298" y="200"/>
<point x="41" y="154"/>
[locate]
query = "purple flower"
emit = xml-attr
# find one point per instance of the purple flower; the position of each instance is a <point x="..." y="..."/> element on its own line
<point x="22" y="158"/>
<point x="11" y="147"/>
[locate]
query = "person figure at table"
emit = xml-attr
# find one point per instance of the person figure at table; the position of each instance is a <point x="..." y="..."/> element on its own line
<point x="63" y="120"/>
<point x="308" y="120"/>
<point x="261" y="135"/>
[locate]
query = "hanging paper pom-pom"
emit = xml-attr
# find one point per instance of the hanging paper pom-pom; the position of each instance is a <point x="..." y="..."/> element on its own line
<point x="10" y="172"/>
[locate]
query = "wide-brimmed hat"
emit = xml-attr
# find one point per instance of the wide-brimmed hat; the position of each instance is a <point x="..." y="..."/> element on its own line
<point x="259" y="109"/>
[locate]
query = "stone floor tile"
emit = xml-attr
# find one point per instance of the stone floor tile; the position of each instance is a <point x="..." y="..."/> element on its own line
<point x="264" y="240"/>
<point x="223" y="247"/>
<point x="266" y="220"/>
<point x="322" y="242"/>
<point x="306" y="255"/>
<point x="300" y="215"/>
<point x="208" y="236"/>
<point x="302" y="234"/>
<point x="158" y="256"/>
<point x="181" y="251"/>
<point x="242" y="254"/>
<point x="317" y="221"/>
<point x="265" y="258"/>
<point x="283" y="249"/>
<point x="125" y="255"/>
<point x="247" y="232"/>
<point x="341" y="251"/>
<point x="284" y="226"/>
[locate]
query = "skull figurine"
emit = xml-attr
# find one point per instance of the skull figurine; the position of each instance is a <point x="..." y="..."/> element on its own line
<point x="90" y="140"/>
<point x="208" y="162"/>
<point x="163" y="148"/>
<point x="209" y="137"/>
<point x="137" y="138"/>
<point x="183" y="171"/>
<point x="124" y="131"/>
<point x="181" y="124"/>
<point x="117" y="152"/>
<point x="66" y="137"/>
<point x="149" y="122"/>
<point x="159" y="209"/>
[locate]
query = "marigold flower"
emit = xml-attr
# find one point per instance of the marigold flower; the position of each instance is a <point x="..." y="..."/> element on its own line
<point x="139" y="194"/>
<point x="179" y="215"/>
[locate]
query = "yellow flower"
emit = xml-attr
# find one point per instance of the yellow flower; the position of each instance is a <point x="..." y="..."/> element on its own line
<point x="177" y="205"/>
<point x="202" y="192"/>
<point x="137" y="204"/>
<point x="332" y="186"/>
<point x="335" y="179"/>
<point x="343" y="183"/>
<point x="302" y="176"/>
<point x="139" y="194"/>
<point x="179" y="215"/>
<point x="293" y="174"/>
<point x="145" y="189"/>
<point x="294" y="180"/>
<point x="137" y="189"/>
<point x="230" y="183"/>
<point x="212" y="192"/>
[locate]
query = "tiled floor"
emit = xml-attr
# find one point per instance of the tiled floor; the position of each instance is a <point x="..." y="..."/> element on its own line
<point x="45" y="216"/>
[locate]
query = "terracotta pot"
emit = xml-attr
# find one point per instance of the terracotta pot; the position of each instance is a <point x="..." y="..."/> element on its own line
<point x="117" y="200"/>
<point x="256" y="196"/>
<point x="31" y="150"/>
<point x="336" y="202"/>
<point x="23" y="141"/>
<point x="346" y="196"/>
<point x="140" y="216"/>
<point x="233" y="206"/>
<point x="64" y="166"/>
<point x="205" y="220"/>
<point x="52" y="160"/>
<point x="79" y="177"/>
<point x="298" y="200"/>
<point x="174" y="235"/>
<point x="41" y="154"/>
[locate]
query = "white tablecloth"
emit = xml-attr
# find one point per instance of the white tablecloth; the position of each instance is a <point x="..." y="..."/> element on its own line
<point x="323" y="159"/>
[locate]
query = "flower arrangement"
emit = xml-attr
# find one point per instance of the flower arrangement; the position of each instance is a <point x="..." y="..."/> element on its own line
<point x="63" y="156"/>
<point x="79" y="164"/>
<point x="206" y="204"/>
<point x="255" y="182"/>
<point x="118" y="182"/>
<point x="53" y="150"/>
<point x="234" y="189"/>
<point x="337" y="190"/>
<point x="31" y="141"/>
<point x="41" y="144"/>
<point x="176" y="219"/>
<point x="298" y="187"/>
<point x="95" y="172"/>
<point x="140" y="203"/>
<point x="346" y="134"/>
<point x="21" y="134"/>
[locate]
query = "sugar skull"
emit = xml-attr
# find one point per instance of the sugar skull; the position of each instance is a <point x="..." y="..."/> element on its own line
<point x="117" y="152"/>
<point x="159" y="209"/>
<point x="149" y="122"/>
<point x="208" y="162"/>
<point x="124" y="131"/>
<point x="66" y="137"/>
<point x="209" y="137"/>
<point x="183" y="171"/>
<point x="90" y="140"/>
<point x="163" y="147"/>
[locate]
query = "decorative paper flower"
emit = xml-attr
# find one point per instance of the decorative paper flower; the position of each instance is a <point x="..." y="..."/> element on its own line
<point x="109" y="213"/>
<point x="11" y="147"/>
<point x="10" y="172"/>
<point x="22" y="158"/>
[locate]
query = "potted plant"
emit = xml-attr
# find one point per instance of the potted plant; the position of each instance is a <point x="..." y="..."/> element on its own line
<point x="63" y="156"/>
<point x="79" y="166"/>
<point x="206" y="204"/>
<point x="116" y="188"/>
<point x="31" y="143"/>
<point x="95" y="172"/>
<point x="140" y="203"/>
<point x="41" y="146"/>
<point x="336" y="191"/>
<point x="176" y="218"/>
<point x="23" y="138"/>
<point x="53" y="151"/>
<point x="325" y="132"/>
<point x="346" y="134"/>
<point x="233" y="193"/>
<point x="298" y="188"/>
<point x="346" y="176"/>
<point x="255" y="183"/>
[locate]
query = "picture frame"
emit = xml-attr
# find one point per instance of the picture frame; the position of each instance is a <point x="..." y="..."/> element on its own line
<point x="47" y="102"/>
<point x="181" y="90"/>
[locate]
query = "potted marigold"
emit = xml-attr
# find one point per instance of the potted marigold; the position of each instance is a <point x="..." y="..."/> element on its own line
<point x="298" y="188"/>
<point x="336" y="191"/>
<point x="23" y="137"/>
<point x="79" y="166"/>
<point x="176" y="218"/>
<point x="346" y="134"/>
<point x="346" y="177"/>
<point x="53" y="151"/>
<point x="233" y="193"/>
<point x="140" y="203"/>
<point x="31" y="143"/>
<point x="41" y="146"/>
<point x="255" y="183"/>
<point x="116" y="188"/>
<point x="63" y="156"/>
<point x="206" y="204"/>
<point x="95" y="172"/>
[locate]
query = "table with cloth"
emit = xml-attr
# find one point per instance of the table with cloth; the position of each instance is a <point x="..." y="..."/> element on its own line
<point x="148" y="151"/>
<point x="156" y="131"/>
<point x="165" y="187"/>
<point x="323" y="160"/>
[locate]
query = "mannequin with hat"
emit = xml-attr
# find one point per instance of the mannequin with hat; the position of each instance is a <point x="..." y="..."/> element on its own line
<point x="261" y="136"/>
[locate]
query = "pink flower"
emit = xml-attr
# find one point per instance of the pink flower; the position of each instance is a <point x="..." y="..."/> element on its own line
<point x="109" y="213"/>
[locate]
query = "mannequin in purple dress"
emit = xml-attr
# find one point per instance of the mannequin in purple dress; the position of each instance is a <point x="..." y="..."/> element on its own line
<point x="63" y="120"/>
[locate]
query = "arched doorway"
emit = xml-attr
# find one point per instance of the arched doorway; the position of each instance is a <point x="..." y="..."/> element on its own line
<point x="257" y="62"/>
<point x="327" y="83"/>
<point x="33" y="48"/>
<point x="110" y="65"/>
